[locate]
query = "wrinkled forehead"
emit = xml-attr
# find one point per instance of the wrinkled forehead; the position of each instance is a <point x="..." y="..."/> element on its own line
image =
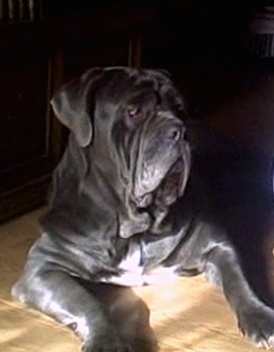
<point x="123" y="83"/>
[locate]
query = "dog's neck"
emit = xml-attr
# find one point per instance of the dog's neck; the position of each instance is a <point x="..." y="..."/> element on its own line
<point x="154" y="219"/>
<point x="133" y="220"/>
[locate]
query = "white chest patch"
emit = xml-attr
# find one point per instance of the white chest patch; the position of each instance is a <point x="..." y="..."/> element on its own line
<point x="136" y="275"/>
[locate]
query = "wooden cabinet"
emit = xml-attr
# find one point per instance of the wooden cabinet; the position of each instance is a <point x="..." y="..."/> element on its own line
<point x="110" y="52"/>
<point x="26" y="157"/>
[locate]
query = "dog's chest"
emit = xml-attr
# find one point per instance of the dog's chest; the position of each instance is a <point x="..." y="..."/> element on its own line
<point x="135" y="272"/>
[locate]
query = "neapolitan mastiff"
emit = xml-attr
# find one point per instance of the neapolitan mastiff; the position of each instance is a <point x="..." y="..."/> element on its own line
<point x="126" y="210"/>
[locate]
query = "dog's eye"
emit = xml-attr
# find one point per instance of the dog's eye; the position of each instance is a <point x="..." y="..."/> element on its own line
<point x="133" y="111"/>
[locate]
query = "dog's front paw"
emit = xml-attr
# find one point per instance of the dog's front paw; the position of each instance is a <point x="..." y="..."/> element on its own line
<point x="257" y="323"/>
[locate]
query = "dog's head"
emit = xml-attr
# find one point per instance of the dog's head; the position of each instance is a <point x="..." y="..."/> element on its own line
<point x="132" y="121"/>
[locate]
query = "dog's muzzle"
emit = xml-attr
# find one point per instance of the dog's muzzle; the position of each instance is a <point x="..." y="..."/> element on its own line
<point x="162" y="160"/>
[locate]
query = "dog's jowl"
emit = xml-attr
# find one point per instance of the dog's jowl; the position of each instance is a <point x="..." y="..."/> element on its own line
<point x="125" y="209"/>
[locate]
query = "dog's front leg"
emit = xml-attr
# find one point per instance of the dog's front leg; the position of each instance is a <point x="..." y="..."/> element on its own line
<point x="61" y="296"/>
<point x="255" y="319"/>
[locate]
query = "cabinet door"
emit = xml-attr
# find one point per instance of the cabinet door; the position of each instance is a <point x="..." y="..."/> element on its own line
<point x="25" y="126"/>
<point x="79" y="57"/>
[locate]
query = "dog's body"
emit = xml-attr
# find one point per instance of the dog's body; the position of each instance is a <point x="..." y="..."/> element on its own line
<point x="125" y="209"/>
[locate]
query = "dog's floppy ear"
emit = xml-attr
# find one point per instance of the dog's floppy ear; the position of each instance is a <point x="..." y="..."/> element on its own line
<point x="71" y="104"/>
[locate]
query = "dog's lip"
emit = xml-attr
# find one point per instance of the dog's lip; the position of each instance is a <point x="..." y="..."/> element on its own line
<point x="173" y="184"/>
<point x="146" y="199"/>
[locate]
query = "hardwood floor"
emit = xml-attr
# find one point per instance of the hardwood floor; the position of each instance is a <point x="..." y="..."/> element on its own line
<point x="188" y="315"/>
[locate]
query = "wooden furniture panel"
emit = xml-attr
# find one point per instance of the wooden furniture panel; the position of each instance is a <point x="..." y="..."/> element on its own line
<point x="82" y="56"/>
<point x="23" y="93"/>
<point x="25" y="158"/>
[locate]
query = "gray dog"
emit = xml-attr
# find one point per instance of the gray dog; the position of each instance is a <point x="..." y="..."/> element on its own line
<point x="126" y="209"/>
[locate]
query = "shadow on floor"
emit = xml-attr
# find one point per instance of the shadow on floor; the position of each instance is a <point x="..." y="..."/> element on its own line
<point x="129" y="313"/>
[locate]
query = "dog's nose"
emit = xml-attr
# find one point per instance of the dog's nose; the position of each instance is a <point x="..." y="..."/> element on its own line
<point x="175" y="132"/>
